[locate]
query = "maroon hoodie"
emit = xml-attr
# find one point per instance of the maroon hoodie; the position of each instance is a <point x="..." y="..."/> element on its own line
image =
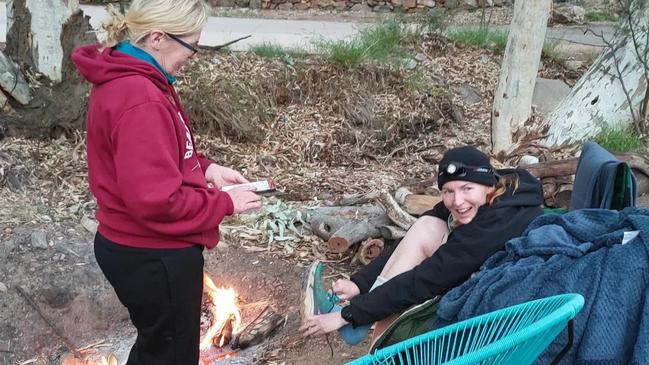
<point x="147" y="178"/>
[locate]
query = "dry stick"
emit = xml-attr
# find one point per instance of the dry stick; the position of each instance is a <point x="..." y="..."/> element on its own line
<point x="216" y="48"/>
<point x="56" y="331"/>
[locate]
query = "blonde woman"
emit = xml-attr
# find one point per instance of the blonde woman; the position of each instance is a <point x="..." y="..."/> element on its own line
<point x="155" y="210"/>
<point x="481" y="210"/>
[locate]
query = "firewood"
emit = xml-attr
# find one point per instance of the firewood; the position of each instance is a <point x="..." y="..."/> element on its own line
<point x="392" y="232"/>
<point x="569" y="167"/>
<point x="415" y="204"/>
<point x="261" y="328"/>
<point x="394" y="211"/>
<point x="354" y="232"/>
<point x="12" y="81"/>
<point x="369" y="250"/>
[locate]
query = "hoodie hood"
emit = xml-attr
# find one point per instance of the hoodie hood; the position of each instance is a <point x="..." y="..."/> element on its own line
<point x="99" y="67"/>
<point x="528" y="193"/>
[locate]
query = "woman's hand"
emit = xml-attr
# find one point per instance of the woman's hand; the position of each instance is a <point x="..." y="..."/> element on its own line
<point x="345" y="289"/>
<point x="321" y="324"/>
<point x="221" y="176"/>
<point x="244" y="198"/>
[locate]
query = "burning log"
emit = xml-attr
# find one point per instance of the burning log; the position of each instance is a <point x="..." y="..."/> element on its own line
<point x="259" y="329"/>
<point x="369" y="250"/>
<point x="225" y="336"/>
<point x="225" y="314"/>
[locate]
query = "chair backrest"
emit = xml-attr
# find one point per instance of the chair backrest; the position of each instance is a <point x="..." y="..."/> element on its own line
<point x="601" y="181"/>
<point x="512" y="335"/>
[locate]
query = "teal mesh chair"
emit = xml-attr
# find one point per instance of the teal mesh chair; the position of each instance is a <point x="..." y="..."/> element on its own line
<point x="514" y="335"/>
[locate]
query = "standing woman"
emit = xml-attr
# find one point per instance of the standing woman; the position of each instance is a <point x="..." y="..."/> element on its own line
<point x="155" y="210"/>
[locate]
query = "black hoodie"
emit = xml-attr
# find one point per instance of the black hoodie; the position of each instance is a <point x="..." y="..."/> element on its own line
<point x="467" y="247"/>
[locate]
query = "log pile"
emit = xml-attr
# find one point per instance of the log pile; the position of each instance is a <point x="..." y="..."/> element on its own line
<point x="365" y="229"/>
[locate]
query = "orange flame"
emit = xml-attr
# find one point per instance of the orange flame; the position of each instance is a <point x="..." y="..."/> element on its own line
<point x="223" y="308"/>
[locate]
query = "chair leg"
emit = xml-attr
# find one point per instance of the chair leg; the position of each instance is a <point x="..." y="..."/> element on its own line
<point x="564" y="351"/>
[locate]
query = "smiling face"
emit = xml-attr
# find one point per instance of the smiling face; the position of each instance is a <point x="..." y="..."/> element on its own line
<point x="171" y="53"/>
<point x="463" y="198"/>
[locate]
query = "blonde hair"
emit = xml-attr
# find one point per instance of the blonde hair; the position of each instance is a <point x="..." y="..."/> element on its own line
<point x="177" y="17"/>
<point x="501" y="187"/>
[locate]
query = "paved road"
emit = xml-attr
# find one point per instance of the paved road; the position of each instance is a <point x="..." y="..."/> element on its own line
<point x="302" y="33"/>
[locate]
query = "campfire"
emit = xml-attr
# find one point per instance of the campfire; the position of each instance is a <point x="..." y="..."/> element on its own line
<point x="224" y="315"/>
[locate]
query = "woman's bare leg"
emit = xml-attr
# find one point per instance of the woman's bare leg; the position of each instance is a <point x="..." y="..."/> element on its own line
<point x="422" y="240"/>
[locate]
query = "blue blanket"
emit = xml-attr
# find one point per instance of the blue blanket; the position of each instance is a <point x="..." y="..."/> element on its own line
<point x="578" y="252"/>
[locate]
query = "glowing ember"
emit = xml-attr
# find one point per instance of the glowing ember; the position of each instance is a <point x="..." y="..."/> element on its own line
<point x="224" y="312"/>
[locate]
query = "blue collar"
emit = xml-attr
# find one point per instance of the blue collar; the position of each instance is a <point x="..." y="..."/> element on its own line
<point x="131" y="50"/>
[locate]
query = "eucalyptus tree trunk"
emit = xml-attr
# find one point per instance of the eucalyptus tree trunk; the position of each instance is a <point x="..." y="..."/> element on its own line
<point x="41" y="36"/>
<point x="613" y="92"/>
<point x="513" y="99"/>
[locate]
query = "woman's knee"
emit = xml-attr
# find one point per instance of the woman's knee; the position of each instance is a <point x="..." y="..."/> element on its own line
<point x="427" y="234"/>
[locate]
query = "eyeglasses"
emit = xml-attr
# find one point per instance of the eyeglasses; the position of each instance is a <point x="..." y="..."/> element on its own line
<point x="184" y="44"/>
<point x="460" y="170"/>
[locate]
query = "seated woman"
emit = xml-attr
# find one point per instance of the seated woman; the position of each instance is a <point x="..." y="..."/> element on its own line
<point x="480" y="211"/>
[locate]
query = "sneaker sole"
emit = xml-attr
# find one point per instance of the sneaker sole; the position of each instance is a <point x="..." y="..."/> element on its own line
<point x="308" y="301"/>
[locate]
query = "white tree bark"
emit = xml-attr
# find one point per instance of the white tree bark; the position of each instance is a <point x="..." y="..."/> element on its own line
<point x="47" y="20"/>
<point x="611" y="92"/>
<point x="12" y="81"/>
<point x="513" y="98"/>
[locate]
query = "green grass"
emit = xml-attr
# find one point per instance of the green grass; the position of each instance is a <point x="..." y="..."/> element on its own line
<point x="551" y="51"/>
<point x="620" y="140"/>
<point x="269" y="50"/>
<point x="482" y="37"/>
<point x="496" y="41"/>
<point x="601" y="15"/>
<point x="380" y="43"/>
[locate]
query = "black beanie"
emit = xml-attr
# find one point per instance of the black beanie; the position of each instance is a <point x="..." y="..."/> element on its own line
<point x="465" y="163"/>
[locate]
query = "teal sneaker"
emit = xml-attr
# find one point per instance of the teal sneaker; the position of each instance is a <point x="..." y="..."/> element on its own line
<point x="317" y="300"/>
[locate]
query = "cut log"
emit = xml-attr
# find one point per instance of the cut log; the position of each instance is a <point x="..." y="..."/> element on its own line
<point x="394" y="211"/>
<point x="392" y="232"/>
<point x="369" y="250"/>
<point x="355" y="231"/>
<point x="349" y="212"/>
<point x="569" y="167"/>
<point x="324" y="226"/>
<point x="415" y="204"/>
<point x="261" y="328"/>
<point x="325" y="221"/>
<point x="12" y="81"/>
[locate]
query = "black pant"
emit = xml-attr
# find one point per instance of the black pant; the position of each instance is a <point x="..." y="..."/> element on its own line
<point x="162" y="290"/>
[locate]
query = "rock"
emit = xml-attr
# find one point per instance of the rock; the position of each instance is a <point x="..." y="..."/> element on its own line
<point x="396" y="3"/>
<point x="255" y="4"/>
<point x="301" y="6"/>
<point x="471" y="4"/>
<point x="451" y="4"/>
<point x="527" y="160"/>
<point x="469" y="94"/>
<point x="409" y="4"/>
<point x="285" y="6"/>
<point x="3" y="287"/>
<point x="574" y="65"/>
<point x="499" y="2"/>
<point x="89" y="224"/>
<point x="361" y="8"/>
<point x="39" y="240"/>
<point x="409" y="64"/>
<point x="568" y="14"/>
<point x="340" y="5"/>
<point x="427" y="3"/>
<point x="386" y="8"/>
<point x="420" y="57"/>
<point x="323" y="3"/>
<point x="548" y="93"/>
